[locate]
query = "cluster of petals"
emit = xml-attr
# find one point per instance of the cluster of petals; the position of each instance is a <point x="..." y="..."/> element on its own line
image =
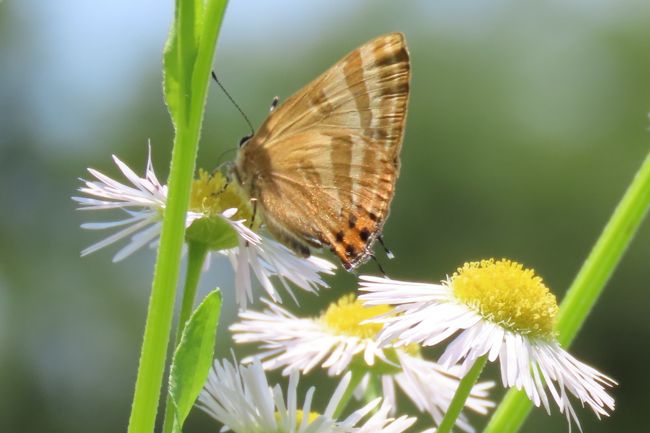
<point x="240" y="397"/>
<point x="429" y="314"/>
<point x="302" y="344"/>
<point x="144" y="202"/>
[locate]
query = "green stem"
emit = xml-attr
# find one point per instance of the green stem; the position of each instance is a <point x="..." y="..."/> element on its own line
<point x="605" y="256"/>
<point x="163" y="292"/>
<point x="586" y="287"/>
<point x="195" y="258"/>
<point x="357" y="375"/>
<point x="462" y="393"/>
<point x="374" y="388"/>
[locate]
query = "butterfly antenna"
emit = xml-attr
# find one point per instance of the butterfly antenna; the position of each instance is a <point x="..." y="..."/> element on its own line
<point x="381" y="269"/>
<point x="250" y="125"/>
<point x="389" y="253"/>
<point x="221" y="161"/>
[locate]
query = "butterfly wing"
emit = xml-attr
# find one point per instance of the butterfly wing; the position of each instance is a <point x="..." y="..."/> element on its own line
<point x="323" y="166"/>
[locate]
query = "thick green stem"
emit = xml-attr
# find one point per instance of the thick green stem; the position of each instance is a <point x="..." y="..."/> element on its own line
<point x="195" y="259"/>
<point x="462" y="393"/>
<point x="196" y="61"/>
<point x="586" y="287"/>
<point x="163" y="293"/>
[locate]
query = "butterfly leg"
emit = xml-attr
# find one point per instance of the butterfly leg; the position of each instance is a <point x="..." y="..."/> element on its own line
<point x="250" y="226"/>
<point x="389" y="253"/>
<point x="223" y="188"/>
<point x="381" y="269"/>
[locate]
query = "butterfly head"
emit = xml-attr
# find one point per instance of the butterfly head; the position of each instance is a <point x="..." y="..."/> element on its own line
<point x="229" y="169"/>
<point x="244" y="140"/>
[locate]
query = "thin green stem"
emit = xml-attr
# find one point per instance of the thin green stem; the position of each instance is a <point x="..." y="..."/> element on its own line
<point x="357" y="375"/>
<point x="586" y="287"/>
<point x="605" y="256"/>
<point x="161" y="303"/>
<point x="511" y="413"/>
<point x="462" y="393"/>
<point x="374" y="388"/>
<point x="195" y="259"/>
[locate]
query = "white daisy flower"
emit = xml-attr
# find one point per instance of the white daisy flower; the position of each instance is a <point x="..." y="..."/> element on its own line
<point x="212" y="197"/>
<point x="266" y="258"/>
<point x="338" y="341"/>
<point x="241" y="399"/>
<point x="144" y="204"/>
<point x="498" y="309"/>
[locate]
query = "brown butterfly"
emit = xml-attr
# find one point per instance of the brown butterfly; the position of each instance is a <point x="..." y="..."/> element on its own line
<point x="322" y="168"/>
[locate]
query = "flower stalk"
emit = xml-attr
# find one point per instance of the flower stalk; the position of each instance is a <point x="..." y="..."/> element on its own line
<point x="197" y="252"/>
<point x="586" y="287"/>
<point x="194" y="43"/>
<point x="373" y="390"/>
<point x="355" y="379"/>
<point x="462" y="393"/>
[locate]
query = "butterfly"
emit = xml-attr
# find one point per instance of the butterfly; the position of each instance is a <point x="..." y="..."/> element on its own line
<point x="321" y="169"/>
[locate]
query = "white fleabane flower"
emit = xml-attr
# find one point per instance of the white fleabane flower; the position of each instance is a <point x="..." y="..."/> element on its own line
<point x="241" y="399"/>
<point x="338" y="341"/>
<point x="498" y="309"/>
<point x="213" y="199"/>
<point x="144" y="203"/>
<point x="266" y="258"/>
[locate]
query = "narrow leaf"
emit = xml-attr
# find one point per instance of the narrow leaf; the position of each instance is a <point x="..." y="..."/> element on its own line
<point x="199" y="18"/>
<point x="171" y="75"/>
<point x="193" y="356"/>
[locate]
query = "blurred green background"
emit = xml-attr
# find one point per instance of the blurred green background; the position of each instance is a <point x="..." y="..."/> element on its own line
<point x="527" y="122"/>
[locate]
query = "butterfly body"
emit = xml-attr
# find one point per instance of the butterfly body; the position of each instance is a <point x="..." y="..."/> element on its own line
<point x="322" y="167"/>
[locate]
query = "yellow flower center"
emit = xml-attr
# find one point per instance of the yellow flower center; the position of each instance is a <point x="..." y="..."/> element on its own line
<point x="506" y="293"/>
<point x="212" y="194"/>
<point x="345" y="316"/>
<point x="300" y="414"/>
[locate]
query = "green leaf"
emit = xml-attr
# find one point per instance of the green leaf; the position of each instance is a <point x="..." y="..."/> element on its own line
<point x="171" y="75"/>
<point x="188" y="43"/>
<point x="215" y="233"/>
<point x="193" y="357"/>
<point x="199" y="13"/>
<point x="179" y="57"/>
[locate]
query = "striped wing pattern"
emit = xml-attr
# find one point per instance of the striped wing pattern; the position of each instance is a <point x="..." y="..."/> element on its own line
<point x="323" y="166"/>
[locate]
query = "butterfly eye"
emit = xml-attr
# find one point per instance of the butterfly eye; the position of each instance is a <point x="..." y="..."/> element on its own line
<point x="244" y="139"/>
